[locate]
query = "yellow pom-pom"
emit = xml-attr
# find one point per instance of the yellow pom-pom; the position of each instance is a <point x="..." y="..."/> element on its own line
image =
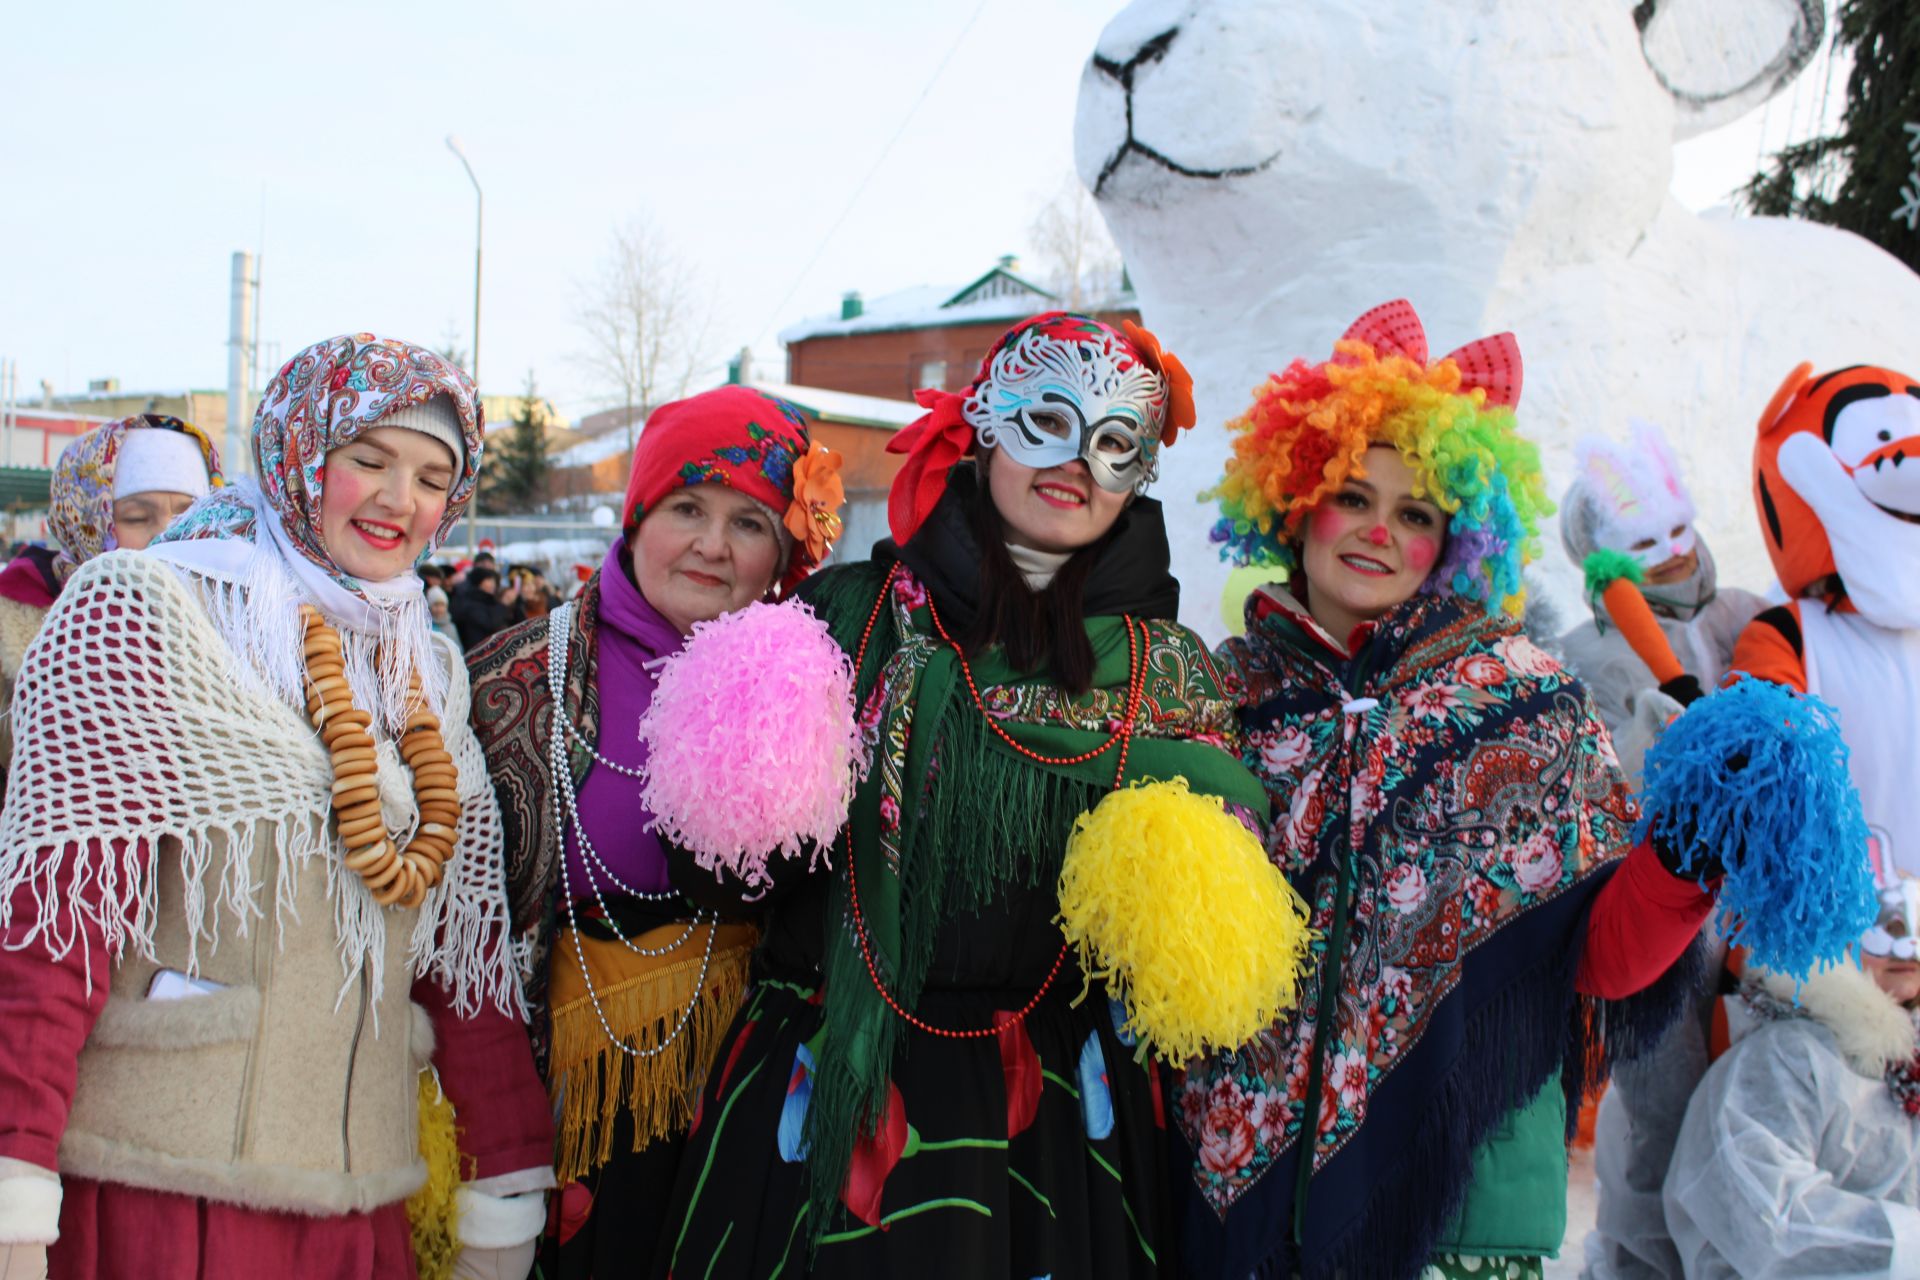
<point x="432" y="1210"/>
<point x="1172" y="901"/>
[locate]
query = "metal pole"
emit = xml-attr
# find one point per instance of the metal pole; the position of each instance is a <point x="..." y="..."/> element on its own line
<point x="479" y="228"/>
<point x="239" y="344"/>
<point x="9" y="382"/>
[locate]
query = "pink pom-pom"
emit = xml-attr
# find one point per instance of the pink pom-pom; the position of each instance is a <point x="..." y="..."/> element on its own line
<point x="751" y="740"/>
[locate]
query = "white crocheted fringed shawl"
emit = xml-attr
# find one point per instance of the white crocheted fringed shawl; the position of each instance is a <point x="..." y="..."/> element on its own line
<point x="161" y="709"/>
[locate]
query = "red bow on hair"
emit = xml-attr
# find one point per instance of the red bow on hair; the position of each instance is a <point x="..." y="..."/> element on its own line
<point x="1492" y="364"/>
<point x="932" y="445"/>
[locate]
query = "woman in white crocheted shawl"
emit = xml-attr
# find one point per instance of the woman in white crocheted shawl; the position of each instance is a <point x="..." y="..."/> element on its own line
<point x="229" y="941"/>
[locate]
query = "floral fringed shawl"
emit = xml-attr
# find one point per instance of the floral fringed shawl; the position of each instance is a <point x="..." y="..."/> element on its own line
<point x="1448" y="803"/>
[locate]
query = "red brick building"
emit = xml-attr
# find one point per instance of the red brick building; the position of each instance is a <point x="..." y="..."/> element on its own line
<point x="929" y="336"/>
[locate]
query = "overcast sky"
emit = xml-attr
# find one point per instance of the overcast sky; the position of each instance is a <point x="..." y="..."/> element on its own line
<point x="141" y="144"/>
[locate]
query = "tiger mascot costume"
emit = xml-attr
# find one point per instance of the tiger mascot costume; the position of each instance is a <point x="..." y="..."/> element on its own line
<point x="1837" y="489"/>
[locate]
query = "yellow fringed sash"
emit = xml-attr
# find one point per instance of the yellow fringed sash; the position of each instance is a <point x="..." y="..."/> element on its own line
<point x="433" y="1210"/>
<point x="590" y="1079"/>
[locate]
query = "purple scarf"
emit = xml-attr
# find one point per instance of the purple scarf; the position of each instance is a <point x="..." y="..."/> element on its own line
<point x="631" y="635"/>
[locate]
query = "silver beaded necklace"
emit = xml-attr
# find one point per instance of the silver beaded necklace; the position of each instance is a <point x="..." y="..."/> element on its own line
<point x="566" y="812"/>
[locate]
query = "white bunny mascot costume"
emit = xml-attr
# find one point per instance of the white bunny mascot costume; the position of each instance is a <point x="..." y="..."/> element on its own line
<point x="1631" y="499"/>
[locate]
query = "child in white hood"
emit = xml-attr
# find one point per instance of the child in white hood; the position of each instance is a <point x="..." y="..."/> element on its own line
<point x="1800" y="1153"/>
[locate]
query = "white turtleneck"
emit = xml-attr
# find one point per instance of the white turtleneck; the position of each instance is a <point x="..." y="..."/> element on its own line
<point x="1037" y="567"/>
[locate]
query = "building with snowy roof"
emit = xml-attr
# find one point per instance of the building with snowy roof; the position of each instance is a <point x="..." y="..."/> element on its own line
<point x="925" y="336"/>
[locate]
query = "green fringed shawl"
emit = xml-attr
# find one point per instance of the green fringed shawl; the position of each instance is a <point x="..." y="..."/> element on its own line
<point x="973" y="815"/>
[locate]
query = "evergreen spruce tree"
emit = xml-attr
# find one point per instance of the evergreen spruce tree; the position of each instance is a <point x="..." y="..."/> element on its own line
<point x="1875" y="157"/>
<point x="515" y="467"/>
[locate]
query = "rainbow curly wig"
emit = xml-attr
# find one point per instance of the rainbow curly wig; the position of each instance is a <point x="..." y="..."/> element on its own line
<point x="1309" y="429"/>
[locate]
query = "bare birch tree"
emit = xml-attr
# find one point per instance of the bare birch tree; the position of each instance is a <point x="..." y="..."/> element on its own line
<point x="647" y="320"/>
<point x="1070" y="239"/>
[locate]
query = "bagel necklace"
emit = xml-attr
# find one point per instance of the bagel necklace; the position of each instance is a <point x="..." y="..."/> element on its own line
<point x="393" y="876"/>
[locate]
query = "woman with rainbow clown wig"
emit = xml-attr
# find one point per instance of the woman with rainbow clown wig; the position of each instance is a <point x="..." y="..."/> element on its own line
<point x="729" y="500"/>
<point x="925" y="1080"/>
<point x="251" y="882"/>
<point x="1448" y="803"/>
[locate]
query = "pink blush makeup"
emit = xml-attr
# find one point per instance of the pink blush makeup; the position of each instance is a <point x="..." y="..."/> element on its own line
<point x="1329" y="522"/>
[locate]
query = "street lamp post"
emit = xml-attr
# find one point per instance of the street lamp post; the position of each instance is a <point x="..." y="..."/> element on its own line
<point x="479" y="225"/>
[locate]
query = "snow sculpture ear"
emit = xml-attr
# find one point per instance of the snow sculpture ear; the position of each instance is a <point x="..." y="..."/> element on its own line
<point x="1720" y="58"/>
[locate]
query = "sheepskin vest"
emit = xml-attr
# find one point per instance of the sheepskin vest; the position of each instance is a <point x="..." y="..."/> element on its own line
<point x="275" y="1091"/>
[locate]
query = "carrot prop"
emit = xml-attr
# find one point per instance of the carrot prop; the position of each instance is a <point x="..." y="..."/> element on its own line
<point x="1613" y="578"/>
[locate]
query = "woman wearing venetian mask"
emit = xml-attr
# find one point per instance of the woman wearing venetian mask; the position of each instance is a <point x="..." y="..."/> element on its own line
<point x="921" y="1081"/>
<point x="1447" y="801"/>
<point x="250" y="875"/>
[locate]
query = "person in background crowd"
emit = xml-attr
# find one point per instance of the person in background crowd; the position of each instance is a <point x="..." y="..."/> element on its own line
<point x="1799" y="1157"/>
<point x="438" y="607"/>
<point x="626" y="1031"/>
<point x="1456" y="818"/>
<point x="535" y="599"/>
<point x="221" y="976"/>
<point x="481" y="609"/>
<point x="115" y="487"/>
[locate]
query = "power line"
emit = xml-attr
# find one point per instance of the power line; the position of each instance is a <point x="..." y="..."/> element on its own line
<point x="861" y="187"/>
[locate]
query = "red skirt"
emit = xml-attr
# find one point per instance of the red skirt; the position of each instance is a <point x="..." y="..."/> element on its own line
<point x="109" y="1231"/>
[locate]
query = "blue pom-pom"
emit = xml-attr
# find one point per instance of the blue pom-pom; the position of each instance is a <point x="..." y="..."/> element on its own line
<point x="1787" y="825"/>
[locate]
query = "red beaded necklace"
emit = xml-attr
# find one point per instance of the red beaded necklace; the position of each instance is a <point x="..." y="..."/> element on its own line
<point x="1136" y="691"/>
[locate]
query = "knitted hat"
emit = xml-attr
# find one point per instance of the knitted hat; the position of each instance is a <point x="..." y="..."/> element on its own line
<point x="753" y="444"/>
<point x="160" y="460"/>
<point x="1451" y="420"/>
<point x="80" y="515"/>
<point x="436" y="417"/>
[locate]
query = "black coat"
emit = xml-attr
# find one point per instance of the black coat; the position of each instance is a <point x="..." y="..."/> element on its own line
<point x="476" y="614"/>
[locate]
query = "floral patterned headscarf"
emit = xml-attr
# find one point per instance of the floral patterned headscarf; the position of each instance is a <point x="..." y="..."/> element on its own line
<point x="80" y="515"/>
<point x="325" y="397"/>
<point x="752" y="443"/>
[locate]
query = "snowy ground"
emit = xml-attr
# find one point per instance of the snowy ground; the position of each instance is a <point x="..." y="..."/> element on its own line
<point x="1580" y="1207"/>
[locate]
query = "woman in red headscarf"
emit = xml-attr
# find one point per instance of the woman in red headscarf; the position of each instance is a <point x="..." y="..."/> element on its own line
<point x="730" y="501"/>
